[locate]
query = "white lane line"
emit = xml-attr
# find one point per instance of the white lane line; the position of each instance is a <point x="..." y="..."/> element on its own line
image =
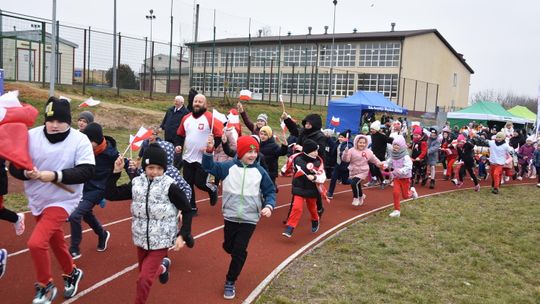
<point x="259" y="289"/>
<point x="113" y="223"/>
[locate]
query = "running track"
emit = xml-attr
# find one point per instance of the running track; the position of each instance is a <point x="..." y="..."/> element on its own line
<point x="197" y="274"/>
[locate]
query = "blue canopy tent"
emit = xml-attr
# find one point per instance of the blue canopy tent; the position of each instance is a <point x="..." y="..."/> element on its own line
<point x="349" y="110"/>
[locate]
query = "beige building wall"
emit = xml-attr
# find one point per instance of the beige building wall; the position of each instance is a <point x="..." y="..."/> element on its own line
<point x="426" y="58"/>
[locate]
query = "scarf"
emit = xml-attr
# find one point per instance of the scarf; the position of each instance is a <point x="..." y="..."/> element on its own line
<point x="101" y="147"/>
<point x="400" y="154"/>
<point x="56" y="137"/>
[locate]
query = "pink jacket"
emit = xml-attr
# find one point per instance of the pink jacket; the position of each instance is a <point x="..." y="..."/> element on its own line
<point x="232" y="136"/>
<point x="359" y="159"/>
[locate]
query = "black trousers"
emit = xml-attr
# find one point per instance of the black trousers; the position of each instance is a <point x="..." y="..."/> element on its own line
<point x="356" y="186"/>
<point x="235" y="243"/>
<point x="469" y="168"/>
<point x="195" y="176"/>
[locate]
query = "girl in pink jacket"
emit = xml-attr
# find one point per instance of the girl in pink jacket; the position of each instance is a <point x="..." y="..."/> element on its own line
<point x="359" y="158"/>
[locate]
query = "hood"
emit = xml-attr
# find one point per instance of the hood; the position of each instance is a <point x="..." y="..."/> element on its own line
<point x="357" y="138"/>
<point x="315" y="120"/>
<point x="169" y="149"/>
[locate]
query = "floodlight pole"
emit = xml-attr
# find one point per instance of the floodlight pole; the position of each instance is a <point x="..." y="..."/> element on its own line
<point x="330" y="82"/>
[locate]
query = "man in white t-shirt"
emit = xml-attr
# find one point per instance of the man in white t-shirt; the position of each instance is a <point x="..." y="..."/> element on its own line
<point x="60" y="154"/>
<point x="193" y="134"/>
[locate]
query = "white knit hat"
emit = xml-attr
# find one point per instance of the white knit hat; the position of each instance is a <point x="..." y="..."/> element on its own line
<point x="376" y="125"/>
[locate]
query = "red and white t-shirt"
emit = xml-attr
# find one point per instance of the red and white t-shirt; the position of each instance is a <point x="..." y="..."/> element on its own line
<point x="196" y="131"/>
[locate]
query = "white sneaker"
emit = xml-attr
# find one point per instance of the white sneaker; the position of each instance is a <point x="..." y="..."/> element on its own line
<point x="444" y="172"/>
<point x="395" y="213"/>
<point x="455" y="181"/>
<point x="532" y="176"/>
<point x="538" y="185"/>
<point x="414" y="193"/>
<point x="361" y="200"/>
<point x="519" y="178"/>
<point x="506" y="178"/>
<point x="355" y="202"/>
<point x="19" y="225"/>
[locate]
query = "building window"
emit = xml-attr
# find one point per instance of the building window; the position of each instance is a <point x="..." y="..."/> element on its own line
<point x="299" y="55"/>
<point x="261" y="56"/>
<point x="379" y="54"/>
<point x="455" y="80"/>
<point x="382" y="83"/>
<point x="343" y="84"/>
<point x="234" y="56"/>
<point x="344" y="55"/>
<point x="199" y="57"/>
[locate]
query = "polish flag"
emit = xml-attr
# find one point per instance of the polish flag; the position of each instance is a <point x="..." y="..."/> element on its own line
<point x="233" y="121"/>
<point x="135" y="145"/>
<point x="10" y="100"/>
<point x="142" y="134"/>
<point x="335" y="121"/>
<point x="245" y="95"/>
<point x="283" y="126"/>
<point x="219" y="116"/>
<point x="90" y="102"/>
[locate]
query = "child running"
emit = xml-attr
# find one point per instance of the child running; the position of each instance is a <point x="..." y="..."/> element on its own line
<point x="341" y="170"/>
<point x="465" y="150"/>
<point x="400" y="164"/>
<point x="156" y="201"/>
<point x="308" y="171"/>
<point x="359" y="158"/>
<point x="248" y="194"/>
<point x="433" y="146"/>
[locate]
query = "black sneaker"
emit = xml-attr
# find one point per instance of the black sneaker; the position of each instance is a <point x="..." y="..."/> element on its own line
<point x="190" y="241"/>
<point x="71" y="282"/>
<point x="164" y="276"/>
<point x="424" y="181"/>
<point x="103" y="241"/>
<point x="75" y="253"/>
<point x="320" y="212"/>
<point x="314" y="226"/>
<point x="229" y="290"/>
<point x="432" y="184"/>
<point x="45" y="294"/>
<point x="3" y="261"/>
<point x="495" y="191"/>
<point x="288" y="231"/>
<point x="213" y="198"/>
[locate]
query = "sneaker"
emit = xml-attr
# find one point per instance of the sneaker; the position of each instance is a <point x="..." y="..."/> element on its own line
<point x="538" y="185"/>
<point x="213" y="198"/>
<point x="314" y="226"/>
<point x="532" y="177"/>
<point x="506" y="178"/>
<point x="103" y="241"/>
<point x="519" y="178"/>
<point x="414" y="194"/>
<point x="102" y="203"/>
<point x="371" y="183"/>
<point x="455" y="181"/>
<point x="395" y="213"/>
<point x="329" y="195"/>
<point x="444" y="172"/>
<point x="424" y="181"/>
<point x="495" y="191"/>
<point x="320" y="212"/>
<point x="288" y="231"/>
<point x="71" y="282"/>
<point x="19" y="225"/>
<point x="229" y="291"/>
<point x="477" y="188"/>
<point x="432" y="184"/>
<point x="75" y="253"/>
<point x="45" y="294"/>
<point x="355" y="201"/>
<point x="446" y="177"/>
<point x="361" y="200"/>
<point x="164" y="276"/>
<point x="3" y="261"/>
<point x="382" y="185"/>
<point x="487" y="176"/>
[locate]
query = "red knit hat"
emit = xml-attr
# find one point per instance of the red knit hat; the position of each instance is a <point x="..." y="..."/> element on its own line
<point x="246" y="144"/>
<point x="417" y="130"/>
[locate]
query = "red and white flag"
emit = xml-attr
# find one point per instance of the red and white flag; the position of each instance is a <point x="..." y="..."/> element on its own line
<point x="90" y="102"/>
<point x="335" y="121"/>
<point x="143" y="134"/>
<point x="245" y="95"/>
<point x="219" y="116"/>
<point x="135" y="145"/>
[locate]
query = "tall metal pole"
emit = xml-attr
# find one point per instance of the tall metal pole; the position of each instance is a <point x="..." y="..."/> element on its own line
<point x="248" y="78"/>
<point x="114" y="49"/>
<point x="52" y="67"/>
<point x="170" y="52"/>
<point x="332" y="55"/>
<point x="213" y="56"/>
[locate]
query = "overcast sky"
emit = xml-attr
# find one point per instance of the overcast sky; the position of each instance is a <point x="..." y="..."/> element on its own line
<point x="499" y="39"/>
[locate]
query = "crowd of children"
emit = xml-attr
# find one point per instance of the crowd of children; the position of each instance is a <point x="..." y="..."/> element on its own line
<point x="246" y="167"/>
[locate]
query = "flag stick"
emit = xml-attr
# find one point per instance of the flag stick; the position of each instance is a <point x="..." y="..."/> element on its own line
<point x="282" y="104"/>
<point x="125" y="151"/>
<point x="64" y="187"/>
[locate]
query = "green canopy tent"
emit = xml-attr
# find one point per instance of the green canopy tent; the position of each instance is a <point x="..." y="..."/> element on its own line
<point x="485" y="112"/>
<point x="523" y="112"/>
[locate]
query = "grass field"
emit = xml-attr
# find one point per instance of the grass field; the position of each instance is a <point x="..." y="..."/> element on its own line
<point x="461" y="247"/>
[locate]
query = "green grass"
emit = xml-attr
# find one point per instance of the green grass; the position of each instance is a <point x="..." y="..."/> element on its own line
<point x="463" y="247"/>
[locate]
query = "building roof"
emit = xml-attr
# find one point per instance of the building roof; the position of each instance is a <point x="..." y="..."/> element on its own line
<point x="338" y="37"/>
<point x="35" y="36"/>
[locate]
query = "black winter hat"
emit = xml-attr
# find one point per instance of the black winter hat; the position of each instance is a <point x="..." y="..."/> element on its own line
<point x="345" y="133"/>
<point x="58" y="109"/>
<point x="154" y="155"/>
<point x="309" y="146"/>
<point x="94" y="132"/>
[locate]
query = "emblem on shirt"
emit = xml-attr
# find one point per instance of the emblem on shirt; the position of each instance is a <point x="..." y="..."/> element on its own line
<point x="201" y="126"/>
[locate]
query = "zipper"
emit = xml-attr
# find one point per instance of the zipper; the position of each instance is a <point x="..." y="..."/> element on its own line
<point x="148" y="216"/>
<point x="241" y="208"/>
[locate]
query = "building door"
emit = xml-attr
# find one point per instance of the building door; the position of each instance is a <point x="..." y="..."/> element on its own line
<point x="48" y="64"/>
<point x="26" y="63"/>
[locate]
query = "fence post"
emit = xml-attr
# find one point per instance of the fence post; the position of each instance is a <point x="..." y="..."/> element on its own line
<point x="2" y="42"/>
<point x="271" y="77"/>
<point x="425" y="103"/>
<point x="415" y="90"/>
<point x="144" y="62"/>
<point x="89" y="45"/>
<point x="437" y="97"/>
<point x="292" y="86"/>
<point x="118" y="83"/>
<point x="43" y="53"/>
<point x="225" y="77"/>
<point x="204" y="73"/>
<point x="180" y="71"/>
<point x="152" y="69"/>
<point x="84" y="65"/>
<point x="264" y="77"/>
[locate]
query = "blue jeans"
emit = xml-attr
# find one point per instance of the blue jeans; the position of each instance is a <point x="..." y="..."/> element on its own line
<point x="83" y="211"/>
<point x="340" y="172"/>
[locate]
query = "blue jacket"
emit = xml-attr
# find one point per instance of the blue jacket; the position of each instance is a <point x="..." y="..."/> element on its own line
<point x="171" y="122"/>
<point x="246" y="189"/>
<point x="94" y="189"/>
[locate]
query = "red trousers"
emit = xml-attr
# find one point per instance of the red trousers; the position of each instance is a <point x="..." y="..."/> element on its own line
<point x="49" y="232"/>
<point x="496" y="174"/>
<point x="401" y="188"/>
<point x="296" y="211"/>
<point x="149" y="269"/>
<point x="450" y="166"/>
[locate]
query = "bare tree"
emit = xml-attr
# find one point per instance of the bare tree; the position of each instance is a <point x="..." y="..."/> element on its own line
<point x="507" y="100"/>
<point x="266" y="31"/>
